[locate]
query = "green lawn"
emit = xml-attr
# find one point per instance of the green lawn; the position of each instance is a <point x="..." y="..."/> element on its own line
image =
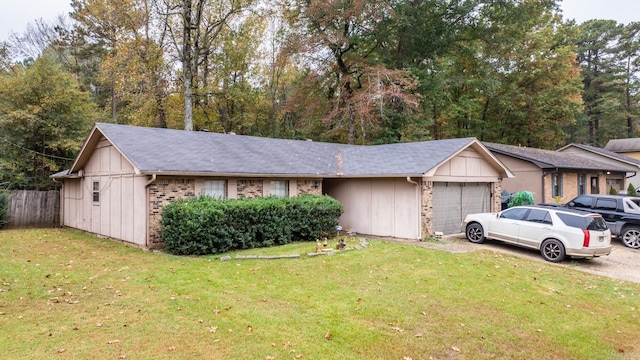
<point x="68" y="295"/>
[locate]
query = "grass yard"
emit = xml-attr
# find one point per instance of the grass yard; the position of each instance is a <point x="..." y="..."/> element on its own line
<point x="68" y="295"/>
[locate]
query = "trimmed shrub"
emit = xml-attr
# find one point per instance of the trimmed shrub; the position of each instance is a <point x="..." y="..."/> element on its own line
<point x="207" y="226"/>
<point x="4" y="208"/>
<point x="613" y="191"/>
<point x="631" y="190"/>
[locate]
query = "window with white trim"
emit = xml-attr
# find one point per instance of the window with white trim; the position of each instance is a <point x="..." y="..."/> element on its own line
<point x="279" y="188"/>
<point x="95" y="191"/>
<point x="217" y="189"/>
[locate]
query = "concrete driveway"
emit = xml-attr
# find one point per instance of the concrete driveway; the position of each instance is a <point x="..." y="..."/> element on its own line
<point x="623" y="263"/>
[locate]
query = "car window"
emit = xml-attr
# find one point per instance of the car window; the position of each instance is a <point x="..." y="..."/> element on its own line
<point x="631" y="205"/>
<point x="514" y="213"/>
<point x="583" y="222"/>
<point x="596" y="223"/>
<point x="539" y="216"/>
<point x="582" y="201"/>
<point x="606" y="204"/>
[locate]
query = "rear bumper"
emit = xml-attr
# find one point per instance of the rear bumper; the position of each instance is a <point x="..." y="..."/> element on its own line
<point x="589" y="252"/>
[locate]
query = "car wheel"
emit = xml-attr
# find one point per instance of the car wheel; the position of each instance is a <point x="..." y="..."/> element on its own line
<point x="631" y="237"/>
<point x="552" y="250"/>
<point x="475" y="233"/>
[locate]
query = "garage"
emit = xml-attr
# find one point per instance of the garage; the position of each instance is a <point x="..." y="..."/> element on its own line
<point x="382" y="207"/>
<point x="453" y="200"/>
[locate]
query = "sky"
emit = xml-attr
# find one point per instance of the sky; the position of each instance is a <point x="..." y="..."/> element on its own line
<point x="16" y="14"/>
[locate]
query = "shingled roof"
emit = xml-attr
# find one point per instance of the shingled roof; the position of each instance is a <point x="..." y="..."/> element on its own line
<point x="605" y="153"/>
<point x="623" y="145"/>
<point x="166" y="151"/>
<point x="548" y="159"/>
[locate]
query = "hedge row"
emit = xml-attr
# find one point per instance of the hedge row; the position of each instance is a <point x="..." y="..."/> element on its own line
<point x="204" y="225"/>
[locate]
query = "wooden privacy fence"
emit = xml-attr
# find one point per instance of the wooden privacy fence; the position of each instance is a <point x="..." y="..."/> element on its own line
<point x="30" y="208"/>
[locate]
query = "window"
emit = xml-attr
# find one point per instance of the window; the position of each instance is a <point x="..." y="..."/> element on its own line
<point x="582" y="201"/>
<point x="217" y="189"/>
<point x="606" y="204"/>
<point x="539" y="216"/>
<point x="96" y="191"/>
<point x="279" y="188"/>
<point x="514" y="213"/>
<point x="582" y="181"/>
<point x="556" y="185"/>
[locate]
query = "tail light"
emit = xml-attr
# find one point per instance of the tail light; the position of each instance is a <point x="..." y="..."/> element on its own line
<point x="587" y="237"/>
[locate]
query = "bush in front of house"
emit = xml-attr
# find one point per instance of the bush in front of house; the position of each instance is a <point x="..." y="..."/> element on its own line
<point x="631" y="190"/>
<point x="4" y="208"/>
<point x="207" y="226"/>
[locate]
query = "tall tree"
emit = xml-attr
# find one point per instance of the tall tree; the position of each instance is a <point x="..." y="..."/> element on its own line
<point x="201" y="23"/>
<point x="602" y="80"/>
<point x="337" y="38"/>
<point x="43" y="118"/>
<point x="629" y="50"/>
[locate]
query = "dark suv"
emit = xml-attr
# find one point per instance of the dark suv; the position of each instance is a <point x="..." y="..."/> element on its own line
<point x="622" y="214"/>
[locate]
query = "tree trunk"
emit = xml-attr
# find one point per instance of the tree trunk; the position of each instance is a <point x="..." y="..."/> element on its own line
<point x="186" y="65"/>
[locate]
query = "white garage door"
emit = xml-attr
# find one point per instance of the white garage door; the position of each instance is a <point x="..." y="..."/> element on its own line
<point x="452" y="201"/>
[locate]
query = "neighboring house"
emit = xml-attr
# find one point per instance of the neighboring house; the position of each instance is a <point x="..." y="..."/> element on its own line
<point x="554" y="176"/>
<point x="628" y="147"/>
<point x="609" y="157"/>
<point x="124" y="175"/>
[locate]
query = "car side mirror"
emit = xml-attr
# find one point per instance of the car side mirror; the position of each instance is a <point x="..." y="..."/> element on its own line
<point x="571" y="203"/>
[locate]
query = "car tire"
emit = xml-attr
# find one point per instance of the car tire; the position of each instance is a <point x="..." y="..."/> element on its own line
<point x="552" y="250"/>
<point x="475" y="233"/>
<point x="631" y="237"/>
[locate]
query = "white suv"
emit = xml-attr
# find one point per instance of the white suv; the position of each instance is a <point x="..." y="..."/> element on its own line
<point x="556" y="232"/>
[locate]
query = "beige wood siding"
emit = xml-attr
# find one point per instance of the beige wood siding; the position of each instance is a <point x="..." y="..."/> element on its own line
<point x="528" y="177"/>
<point x="381" y="207"/>
<point x="121" y="211"/>
<point x="468" y="164"/>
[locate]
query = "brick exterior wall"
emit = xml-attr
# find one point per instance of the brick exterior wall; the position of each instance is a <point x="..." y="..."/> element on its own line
<point x="497" y="201"/>
<point x="162" y="192"/>
<point x="313" y="187"/>
<point x="426" y="208"/>
<point x="249" y="188"/>
<point x="570" y="186"/>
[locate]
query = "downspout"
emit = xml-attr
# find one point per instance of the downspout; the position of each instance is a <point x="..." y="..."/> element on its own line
<point x="419" y="233"/>
<point x="146" y="218"/>
<point x="153" y="178"/>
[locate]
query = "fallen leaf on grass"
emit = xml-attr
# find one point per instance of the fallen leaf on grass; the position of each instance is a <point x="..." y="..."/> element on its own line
<point x="213" y="329"/>
<point x="113" y="341"/>
<point x="60" y="351"/>
<point x="395" y="328"/>
<point x="171" y="348"/>
<point x="328" y="336"/>
<point x="456" y="349"/>
<point x="419" y="335"/>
